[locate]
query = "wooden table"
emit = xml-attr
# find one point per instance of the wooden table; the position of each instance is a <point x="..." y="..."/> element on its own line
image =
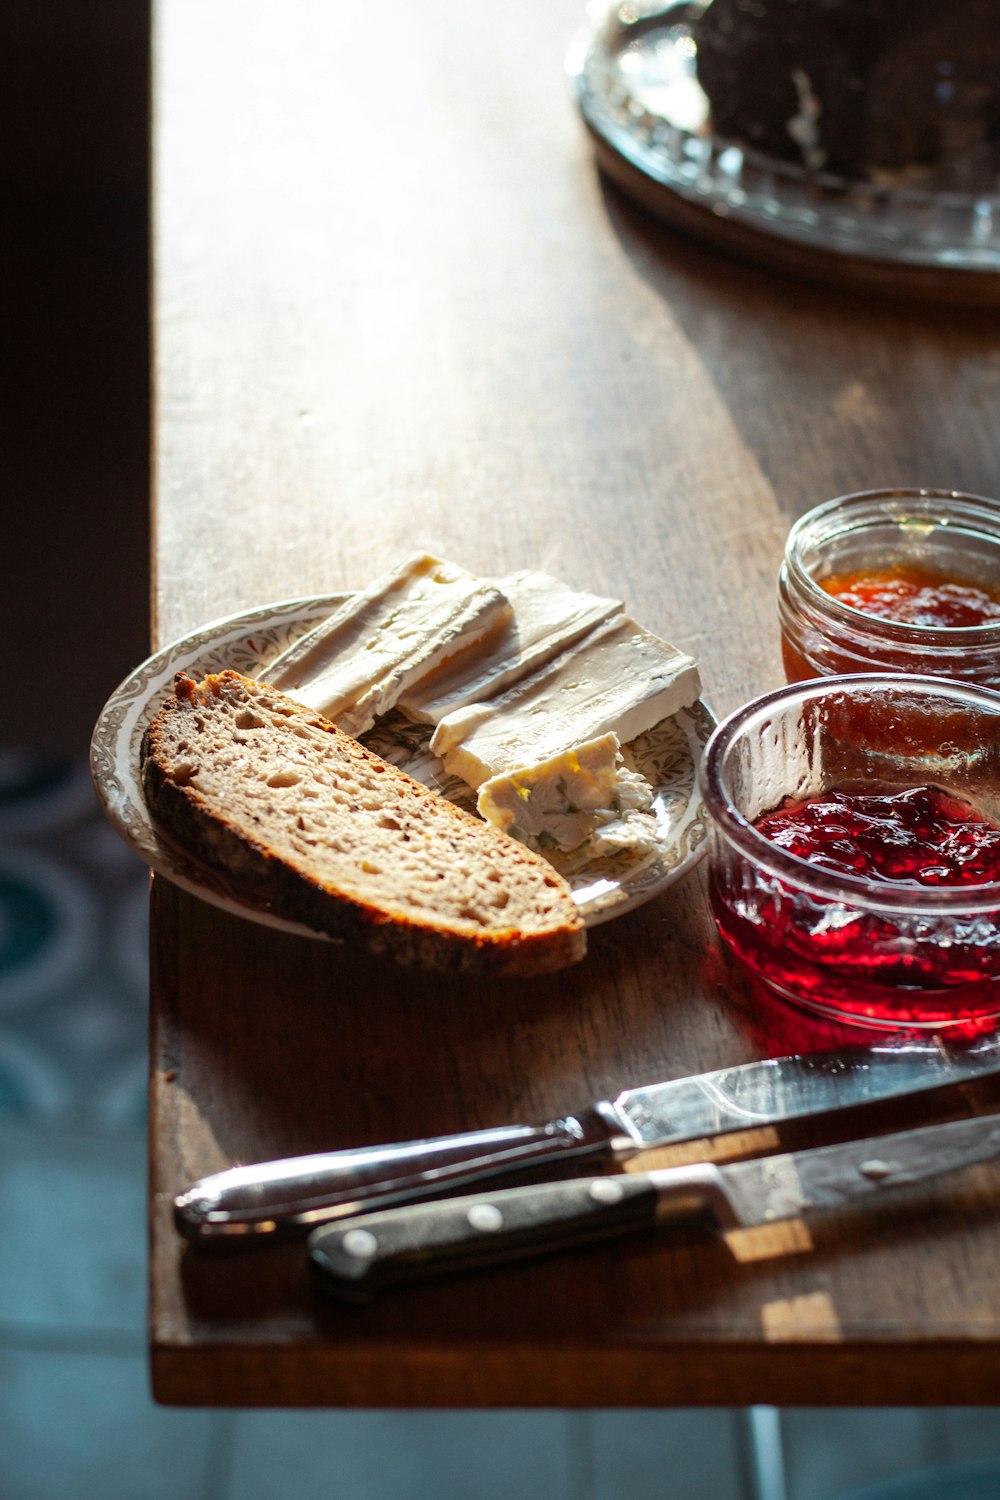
<point x="396" y="305"/>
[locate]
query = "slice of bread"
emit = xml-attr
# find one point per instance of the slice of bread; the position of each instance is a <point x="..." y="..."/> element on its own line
<point x="313" y="827"/>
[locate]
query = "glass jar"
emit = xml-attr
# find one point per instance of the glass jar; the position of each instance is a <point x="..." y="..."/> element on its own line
<point x="951" y="537"/>
<point x="853" y="945"/>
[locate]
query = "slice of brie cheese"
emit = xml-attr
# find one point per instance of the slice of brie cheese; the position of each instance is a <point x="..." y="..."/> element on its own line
<point x="355" y="664"/>
<point x="618" y="679"/>
<point x="562" y="802"/>
<point x="546" y="617"/>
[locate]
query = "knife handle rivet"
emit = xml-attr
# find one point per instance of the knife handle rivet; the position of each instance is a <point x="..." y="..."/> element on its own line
<point x="485" y="1216"/>
<point x="606" y="1190"/>
<point x="360" y="1243"/>
<point x="876" y="1169"/>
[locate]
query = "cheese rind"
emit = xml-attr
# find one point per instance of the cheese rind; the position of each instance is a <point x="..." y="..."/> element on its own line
<point x="355" y="664"/>
<point x="564" y="801"/>
<point x="619" y="679"/>
<point x="546" y="617"/>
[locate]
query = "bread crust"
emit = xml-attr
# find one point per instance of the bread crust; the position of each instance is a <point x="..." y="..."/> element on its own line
<point x="190" y="799"/>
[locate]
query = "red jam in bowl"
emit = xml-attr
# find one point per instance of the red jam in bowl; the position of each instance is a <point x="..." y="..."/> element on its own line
<point x="915" y="596"/>
<point x="921" y="835"/>
<point x="875" y="966"/>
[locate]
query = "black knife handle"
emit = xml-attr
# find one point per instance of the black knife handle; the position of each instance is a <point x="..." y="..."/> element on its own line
<point x="356" y="1260"/>
<point x="283" y="1198"/>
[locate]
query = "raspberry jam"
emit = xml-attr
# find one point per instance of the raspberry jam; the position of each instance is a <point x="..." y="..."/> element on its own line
<point x="882" y="965"/>
<point x="912" y="595"/>
<point x="922" y="835"/>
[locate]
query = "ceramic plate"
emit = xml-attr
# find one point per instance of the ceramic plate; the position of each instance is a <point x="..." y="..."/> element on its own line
<point x="667" y="756"/>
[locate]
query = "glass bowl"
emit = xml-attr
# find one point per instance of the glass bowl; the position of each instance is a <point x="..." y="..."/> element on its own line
<point x="849" y="946"/>
<point x="941" y="533"/>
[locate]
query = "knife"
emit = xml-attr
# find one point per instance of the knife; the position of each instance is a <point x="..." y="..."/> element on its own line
<point x="355" y="1260"/>
<point x="292" y="1196"/>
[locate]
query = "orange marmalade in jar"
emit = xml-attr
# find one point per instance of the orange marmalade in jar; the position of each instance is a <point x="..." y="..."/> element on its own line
<point x="894" y="580"/>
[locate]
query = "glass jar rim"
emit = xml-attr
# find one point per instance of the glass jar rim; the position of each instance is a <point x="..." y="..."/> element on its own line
<point x="808" y="529"/>
<point x="740" y="832"/>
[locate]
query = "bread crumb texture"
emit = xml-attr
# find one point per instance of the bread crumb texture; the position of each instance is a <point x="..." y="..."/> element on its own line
<point x="317" y="829"/>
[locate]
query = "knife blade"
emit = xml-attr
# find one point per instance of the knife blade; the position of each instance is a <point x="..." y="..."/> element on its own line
<point x="269" y="1200"/>
<point x="354" y="1261"/>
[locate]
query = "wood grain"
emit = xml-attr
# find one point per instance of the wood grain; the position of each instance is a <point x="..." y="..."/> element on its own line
<point x="395" y="304"/>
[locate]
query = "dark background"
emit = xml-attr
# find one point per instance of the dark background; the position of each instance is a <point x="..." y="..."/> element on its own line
<point x="74" y="441"/>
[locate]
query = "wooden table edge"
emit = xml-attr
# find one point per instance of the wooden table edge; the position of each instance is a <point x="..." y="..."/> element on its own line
<point x="949" y="1372"/>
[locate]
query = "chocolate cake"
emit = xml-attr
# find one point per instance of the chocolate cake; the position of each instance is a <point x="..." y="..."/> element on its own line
<point x="896" y="91"/>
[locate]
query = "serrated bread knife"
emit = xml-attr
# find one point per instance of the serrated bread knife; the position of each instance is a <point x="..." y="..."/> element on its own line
<point x="419" y="1240"/>
<point x="293" y="1196"/>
